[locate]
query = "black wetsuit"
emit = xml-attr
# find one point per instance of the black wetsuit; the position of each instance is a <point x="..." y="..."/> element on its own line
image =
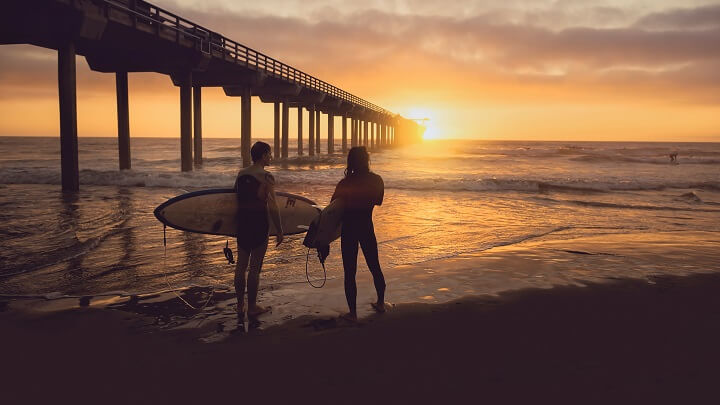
<point x="360" y="194"/>
<point x="252" y="216"/>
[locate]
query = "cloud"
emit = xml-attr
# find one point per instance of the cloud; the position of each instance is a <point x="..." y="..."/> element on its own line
<point x="706" y="17"/>
<point x="373" y="41"/>
<point x="363" y="37"/>
<point x="372" y="52"/>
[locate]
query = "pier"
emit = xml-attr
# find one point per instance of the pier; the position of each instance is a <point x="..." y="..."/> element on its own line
<point x="126" y="36"/>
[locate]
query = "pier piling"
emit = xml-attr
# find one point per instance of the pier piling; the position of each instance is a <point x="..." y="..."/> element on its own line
<point x="197" y="125"/>
<point x="365" y="134"/>
<point x="285" y="128"/>
<point x="317" y="131"/>
<point x="331" y="133"/>
<point x="344" y="134"/>
<point x="353" y="132"/>
<point x="300" y="130"/>
<point x="186" y="163"/>
<point x="276" y="130"/>
<point x="311" y="130"/>
<point x="68" y="118"/>
<point x="123" y="117"/>
<point x="245" y="125"/>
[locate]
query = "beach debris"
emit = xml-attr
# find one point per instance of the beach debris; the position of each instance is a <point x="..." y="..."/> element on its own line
<point x="85" y="301"/>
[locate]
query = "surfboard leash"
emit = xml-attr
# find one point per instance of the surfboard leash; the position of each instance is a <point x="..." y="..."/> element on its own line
<point x="307" y="274"/>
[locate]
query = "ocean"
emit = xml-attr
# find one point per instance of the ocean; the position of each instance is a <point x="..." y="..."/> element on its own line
<point x="443" y="199"/>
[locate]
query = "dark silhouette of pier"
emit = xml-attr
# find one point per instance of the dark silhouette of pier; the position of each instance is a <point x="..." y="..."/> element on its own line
<point x="124" y="36"/>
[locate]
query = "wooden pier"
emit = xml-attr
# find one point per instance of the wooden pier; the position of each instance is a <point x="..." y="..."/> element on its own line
<point x="125" y="36"/>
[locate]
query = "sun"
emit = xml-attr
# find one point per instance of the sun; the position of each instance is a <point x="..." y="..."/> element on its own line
<point x="426" y="118"/>
<point x="431" y="132"/>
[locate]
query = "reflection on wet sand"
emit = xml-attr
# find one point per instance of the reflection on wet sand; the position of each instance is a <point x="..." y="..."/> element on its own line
<point x="125" y="264"/>
<point x="126" y="209"/>
<point x="69" y="216"/>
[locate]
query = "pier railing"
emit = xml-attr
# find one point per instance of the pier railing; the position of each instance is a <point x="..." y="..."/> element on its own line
<point x="153" y="19"/>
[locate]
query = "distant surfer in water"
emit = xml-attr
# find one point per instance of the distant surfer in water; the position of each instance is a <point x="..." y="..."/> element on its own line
<point x="255" y="190"/>
<point x="361" y="190"/>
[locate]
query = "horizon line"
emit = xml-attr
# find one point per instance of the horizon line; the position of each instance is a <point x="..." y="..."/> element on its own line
<point x="424" y="140"/>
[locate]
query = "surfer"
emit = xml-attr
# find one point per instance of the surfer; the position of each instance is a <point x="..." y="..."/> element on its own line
<point x="255" y="190"/>
<point x="361" y="190"/>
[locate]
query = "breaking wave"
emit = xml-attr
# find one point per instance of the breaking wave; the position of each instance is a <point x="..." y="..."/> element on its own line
<point x="330" y="175"/>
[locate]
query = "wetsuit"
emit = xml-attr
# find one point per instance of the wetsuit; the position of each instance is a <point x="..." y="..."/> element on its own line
<point x="252" y="216"/>
<point x="252" y="192"/>
<point x="360" y="194"/>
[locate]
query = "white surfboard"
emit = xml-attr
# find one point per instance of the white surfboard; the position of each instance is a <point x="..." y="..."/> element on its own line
<point x="327" y="226"/>
<point x="214" y="212"/>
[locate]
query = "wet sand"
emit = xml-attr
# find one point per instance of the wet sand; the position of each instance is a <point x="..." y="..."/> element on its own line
<point x="652" y="339"/>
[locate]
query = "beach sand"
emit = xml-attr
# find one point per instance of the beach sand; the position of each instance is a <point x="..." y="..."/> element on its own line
<point x="452" y="335"/>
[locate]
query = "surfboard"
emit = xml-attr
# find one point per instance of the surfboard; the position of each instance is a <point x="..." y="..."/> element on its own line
<point x="327" y="226"/>
<point x="214" y="212"/>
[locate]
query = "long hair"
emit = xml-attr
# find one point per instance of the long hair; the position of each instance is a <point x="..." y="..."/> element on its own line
<point x="358" y="161"/>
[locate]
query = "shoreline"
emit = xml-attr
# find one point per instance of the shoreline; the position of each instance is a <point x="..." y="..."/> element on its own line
<point x="532" y="264"/>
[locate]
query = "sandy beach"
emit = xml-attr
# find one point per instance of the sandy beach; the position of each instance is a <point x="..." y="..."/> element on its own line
<point x="652" y="339"/>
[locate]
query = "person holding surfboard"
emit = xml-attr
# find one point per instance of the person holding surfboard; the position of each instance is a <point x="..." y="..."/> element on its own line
<point x="255" y="191"/>
<point x="360" y="191"/>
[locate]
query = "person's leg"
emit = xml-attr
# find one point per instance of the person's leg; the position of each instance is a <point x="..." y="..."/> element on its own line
<point x="241" y="265"/>
<point x="368" y="243"/>
<point x="257" y="256"/>
<point x="349" y="247"/>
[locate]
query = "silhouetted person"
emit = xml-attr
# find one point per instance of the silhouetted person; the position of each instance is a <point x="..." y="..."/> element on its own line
<point x="255" y="191"/>
<point x="361" y="190"/>
<point x="673" y="157"/>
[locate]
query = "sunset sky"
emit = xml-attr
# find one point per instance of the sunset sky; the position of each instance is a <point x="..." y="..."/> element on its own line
<point x="512" y="69"/>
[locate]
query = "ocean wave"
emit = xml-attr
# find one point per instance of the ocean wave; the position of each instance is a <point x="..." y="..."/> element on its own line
<point x="330" y="175"/>
<point x="585" y="153"/>
<point x="236" y="149"/>
<point x="601" y="204"/>
<point x="561" y="186"/>
<point x="59" y="254"/>
<point x="292" y="161"/>
<point x="601" y="158"/>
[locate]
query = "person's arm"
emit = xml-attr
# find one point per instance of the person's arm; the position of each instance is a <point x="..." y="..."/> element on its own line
<point x="338" y="192"/>
<point x="380" y="191"/>
<point x="273" y="207"/>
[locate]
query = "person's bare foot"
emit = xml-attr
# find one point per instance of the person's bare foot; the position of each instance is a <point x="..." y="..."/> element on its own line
<point x="257" y="310"/>
<point x="379" y="307"/>
<point x="350" y="317"/>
